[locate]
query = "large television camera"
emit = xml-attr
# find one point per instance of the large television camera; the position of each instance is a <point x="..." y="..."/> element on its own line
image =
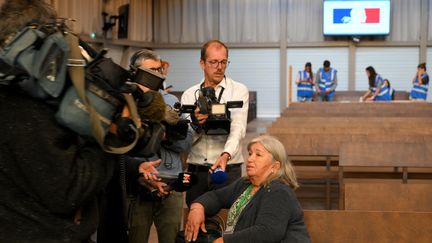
<point x="162" y="122"/>
<point x="219" y="119"/>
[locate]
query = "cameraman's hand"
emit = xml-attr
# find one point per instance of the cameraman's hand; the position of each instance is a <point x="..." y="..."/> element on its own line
<point x="219" y="240"/>
<point x="154" y="186"/>
<point x="160" y="187"/>
<point x="148" y="170"/>
<point x="195" y="222"/>
<point x="221" y="162"/>
<point x="201" y="118"/>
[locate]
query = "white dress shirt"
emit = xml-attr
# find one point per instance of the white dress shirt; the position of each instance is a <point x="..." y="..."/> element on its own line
<point x="207" y="148"/>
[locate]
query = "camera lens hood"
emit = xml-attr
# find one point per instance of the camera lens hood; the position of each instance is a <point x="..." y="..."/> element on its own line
<point x="149" y="78"/>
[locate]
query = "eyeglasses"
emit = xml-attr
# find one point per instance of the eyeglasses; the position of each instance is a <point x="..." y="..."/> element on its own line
<point x="215" y="63"/>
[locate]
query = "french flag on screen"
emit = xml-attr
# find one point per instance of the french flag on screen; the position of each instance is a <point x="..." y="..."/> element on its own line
<point x="372" y="15"/>
<point x="363" y="16"/>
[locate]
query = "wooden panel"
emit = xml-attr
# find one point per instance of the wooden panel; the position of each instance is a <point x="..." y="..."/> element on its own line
<point x="377" y="109"/>
<point x="389" y="196"/>
<point x="366" y="226"/>
<point x="329" y="144"/>
<point x="355" y="95"/>
<point x="386" y="154"/>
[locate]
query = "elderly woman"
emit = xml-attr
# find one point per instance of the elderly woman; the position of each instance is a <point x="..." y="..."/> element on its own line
<point x="262" y="206"/>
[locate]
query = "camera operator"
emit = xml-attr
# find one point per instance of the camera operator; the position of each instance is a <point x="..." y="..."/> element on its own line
<point x="51" y="179"/>
<point x="153" y="203"/>
<point x="212" y="152"/>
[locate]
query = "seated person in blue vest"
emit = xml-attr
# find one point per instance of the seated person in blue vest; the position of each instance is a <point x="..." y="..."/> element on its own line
<point x="262" y="206"/>
<point x="377" y="91"/>
<point x="391" y="90"/>
<point x="305" y="84"/>
<point x="420" y="84"/>
<point x="326" y="82"/>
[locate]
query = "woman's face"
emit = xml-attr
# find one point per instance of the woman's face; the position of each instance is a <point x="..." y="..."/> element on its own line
<point x="259" y="164"/>
<point x="420" y="70"/>
<point x="368" y="73"/>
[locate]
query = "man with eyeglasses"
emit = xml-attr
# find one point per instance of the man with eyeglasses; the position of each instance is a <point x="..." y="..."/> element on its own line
<point x="152" y="203"/>
<point x="216" y="152"/>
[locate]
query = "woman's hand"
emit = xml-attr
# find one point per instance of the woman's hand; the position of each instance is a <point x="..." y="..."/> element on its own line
<point x="195" y="221"/>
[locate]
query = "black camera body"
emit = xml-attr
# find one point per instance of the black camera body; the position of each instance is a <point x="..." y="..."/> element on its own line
<point x="179" y="130"/>
<point x="219" y="119"/>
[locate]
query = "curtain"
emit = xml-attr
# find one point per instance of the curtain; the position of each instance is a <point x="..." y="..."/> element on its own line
<point x="429" y="6"/>
<point x="234" y="21"/>
<point x="405" y="20"/>
<point x="185" y="21"/>
<point x="140" y="20"/>
<point x="250" y="21"/>
<point x="87" y="14"/>
<point x="304" y="21"/>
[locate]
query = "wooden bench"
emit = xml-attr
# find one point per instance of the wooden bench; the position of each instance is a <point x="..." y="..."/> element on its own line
<point x="357" y="109"/>
<point x="312" y="136"/>
<point x="321" y="150"/>
<point x="355" y="95"/>
<point x="334" y="226"/>
<point x="352" y="125"/>
<point x="364" y="161"/>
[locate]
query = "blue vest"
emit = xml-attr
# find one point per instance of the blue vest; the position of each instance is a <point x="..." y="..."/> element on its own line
<point x="384" y="94"/>
<point x="304" y="89"/>
<point x="392" y="92"/>
<point x="326" y="80"/>
<point x="419" y="91"/>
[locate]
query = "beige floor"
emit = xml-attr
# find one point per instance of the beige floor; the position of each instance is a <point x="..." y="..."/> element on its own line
<point x="254" y="128"/>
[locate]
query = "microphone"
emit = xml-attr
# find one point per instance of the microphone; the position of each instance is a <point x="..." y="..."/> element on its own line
<point x="219" y="176"/>
<point x="184" y="182"/>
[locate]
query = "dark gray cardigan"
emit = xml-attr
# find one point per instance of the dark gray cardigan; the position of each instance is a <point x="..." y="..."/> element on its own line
<point x="273" y="214"/>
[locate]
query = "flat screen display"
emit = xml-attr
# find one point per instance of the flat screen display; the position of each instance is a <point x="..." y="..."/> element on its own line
<point x="356" y="17"/>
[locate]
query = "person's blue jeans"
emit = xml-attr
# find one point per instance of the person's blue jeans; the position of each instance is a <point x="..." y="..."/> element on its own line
<point x="304" y="99"/>
<point x="325" y="97"/>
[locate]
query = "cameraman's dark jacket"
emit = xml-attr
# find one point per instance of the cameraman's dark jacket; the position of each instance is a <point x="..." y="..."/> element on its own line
<point x="47" y="174"/>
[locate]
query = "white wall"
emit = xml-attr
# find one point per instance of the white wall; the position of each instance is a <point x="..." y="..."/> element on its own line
<point x="338" y="57"/>
<point x="397" y="64"/>
<point x="114" y="52"/>
<point x="259" y="70"/>
<point x="429" y="68"/>
<point x="184" y="70"/>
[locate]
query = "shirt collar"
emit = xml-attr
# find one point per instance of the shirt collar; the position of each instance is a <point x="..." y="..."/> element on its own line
<point x="222" y="84"/>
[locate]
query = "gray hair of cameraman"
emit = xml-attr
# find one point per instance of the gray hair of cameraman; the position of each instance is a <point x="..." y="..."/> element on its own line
<point x="286" y="173"/>
<point x="141" y="55"/>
